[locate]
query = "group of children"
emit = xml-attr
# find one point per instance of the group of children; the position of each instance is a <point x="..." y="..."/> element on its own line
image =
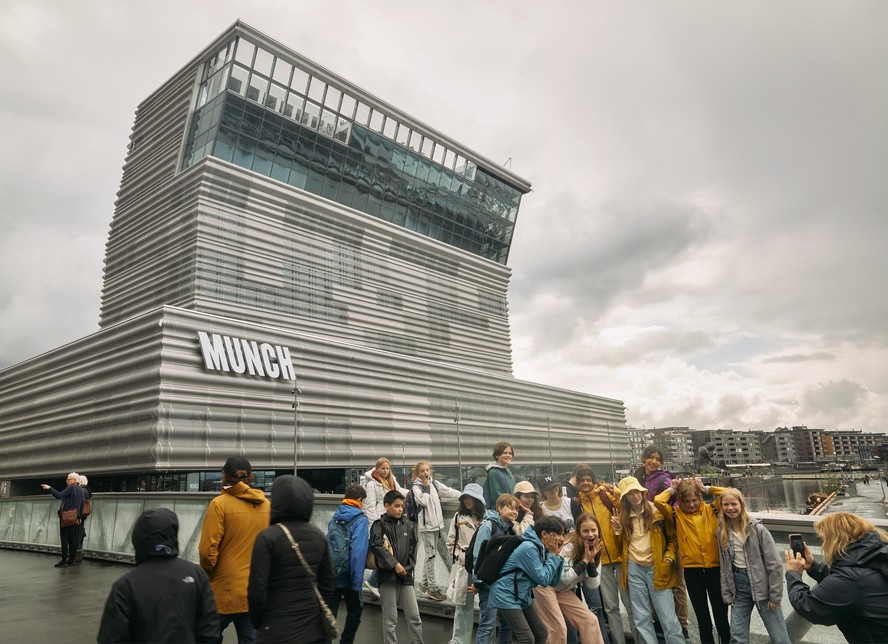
<point x="554" y="562"/>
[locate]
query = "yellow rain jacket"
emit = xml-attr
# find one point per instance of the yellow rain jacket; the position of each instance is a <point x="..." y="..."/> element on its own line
<point x="231" y="524"/>
<point x="663" y="544"/>
<point x="591" y="502"/>
<point x="697" y="544"/>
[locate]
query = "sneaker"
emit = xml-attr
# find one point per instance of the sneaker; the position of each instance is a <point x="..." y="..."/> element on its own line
<point x="422" y="588"/>
<point x="436" y="595"/>
<point x="373" y="590"/>
<point x="61" y="564"/>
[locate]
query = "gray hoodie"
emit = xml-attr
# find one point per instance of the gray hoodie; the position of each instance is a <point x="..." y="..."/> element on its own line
<point x="763" y="565"/>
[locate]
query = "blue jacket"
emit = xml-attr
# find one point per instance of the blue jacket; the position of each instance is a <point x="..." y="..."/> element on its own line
<point x="491" y="525"/>
<point x="359" y="543"/>
<point x="529" y="566"/>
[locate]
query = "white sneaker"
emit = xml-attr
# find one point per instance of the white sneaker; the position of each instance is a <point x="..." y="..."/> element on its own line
<point x="373" y="590"/>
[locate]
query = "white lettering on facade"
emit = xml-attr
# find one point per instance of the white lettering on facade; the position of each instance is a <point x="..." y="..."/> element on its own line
<point x="238" y="355"/>
<point x="267" y="352"/>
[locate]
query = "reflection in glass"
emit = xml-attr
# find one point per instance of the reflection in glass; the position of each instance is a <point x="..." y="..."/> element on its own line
<point x="376" y="121"/>
<point x="257" y="89"/>
<point x="299" y="82"/>
<point x="293" y="109"/>
<point x="316" y="89"/>
<point x="331" y="99"/>
<point x="362" y="115"/>
<point x="427" y="144"/>
<point x="276" y="98"/>
<point x="312" y="115"/>
<point x="282" y="71"/>
<point x="263" y="62"/>
<point x="391" y="126"/>
<point x="438" y="154"/>
<point x="237" y="82"/>
<point x="245" y="50"/>
<point x="347" y="109"/>
<point x="415" y="141"/>
<point x="403" y="135"/>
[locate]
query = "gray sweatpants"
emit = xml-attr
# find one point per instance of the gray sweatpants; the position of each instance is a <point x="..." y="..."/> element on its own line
<point x="611" y="594"/>
<point x="394" y="595"/>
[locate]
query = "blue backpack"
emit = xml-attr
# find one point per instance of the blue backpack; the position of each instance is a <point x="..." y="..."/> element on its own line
<point x="339" y="538"/>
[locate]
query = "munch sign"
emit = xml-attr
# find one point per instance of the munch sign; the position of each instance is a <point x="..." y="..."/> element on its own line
<point x="229" y="354"/>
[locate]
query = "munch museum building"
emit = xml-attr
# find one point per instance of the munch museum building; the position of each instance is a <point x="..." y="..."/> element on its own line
<point x="298" y="272"/>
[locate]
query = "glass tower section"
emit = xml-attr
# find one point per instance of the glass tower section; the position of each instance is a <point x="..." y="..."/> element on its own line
<point x="266" y="114"/>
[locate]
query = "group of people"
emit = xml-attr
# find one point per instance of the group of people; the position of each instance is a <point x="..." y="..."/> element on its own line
<point x="546" y="562"/>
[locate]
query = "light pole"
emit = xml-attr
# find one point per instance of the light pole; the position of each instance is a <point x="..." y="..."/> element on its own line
<point x="610" y="451"/>
<point x="551" y="460"/>
<point x="458" y="443"/>
<point x="296" y="393"/>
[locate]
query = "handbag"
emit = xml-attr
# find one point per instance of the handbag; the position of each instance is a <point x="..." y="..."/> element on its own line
<point x="68" y="518"/>
<point x="87" y="508"/>
<point x="329" y="619"/>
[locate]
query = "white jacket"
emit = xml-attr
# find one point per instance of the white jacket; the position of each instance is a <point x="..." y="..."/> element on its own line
<point x="431" y="517"/>
<point x="373" y="506"/>
<point x="462" y="529"/>
<point x="570" y="578"/>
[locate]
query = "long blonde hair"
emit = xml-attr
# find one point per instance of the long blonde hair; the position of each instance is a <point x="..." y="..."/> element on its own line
<point x="726" y="524"/>
<point x="840" y="530"/>
<point x="389" y="483"/>
<point x="415" y="473"/>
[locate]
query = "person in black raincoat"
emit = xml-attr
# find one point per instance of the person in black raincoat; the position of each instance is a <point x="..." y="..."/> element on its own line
<point x="852" y="589"/>
<point x="165" y="599"/>
<point x="282" y="601"/>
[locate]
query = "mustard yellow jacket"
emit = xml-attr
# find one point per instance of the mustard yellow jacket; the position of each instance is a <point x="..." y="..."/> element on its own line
<point x="232" y="521"/>
<point x="592" y="502"/>
<point x="663" y="544"/>
<point x="697" y="544"/>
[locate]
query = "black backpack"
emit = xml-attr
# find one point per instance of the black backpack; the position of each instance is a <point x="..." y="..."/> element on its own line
<point x="469" y="561"/>
<point x="493" y="554"/>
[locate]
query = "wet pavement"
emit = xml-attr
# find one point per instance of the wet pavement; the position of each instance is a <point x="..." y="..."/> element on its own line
<point x="864" y="501"/>
<point x="45" y="604"/>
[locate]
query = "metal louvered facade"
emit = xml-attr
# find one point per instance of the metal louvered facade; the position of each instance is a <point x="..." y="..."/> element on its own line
<point x="218" y="277"/>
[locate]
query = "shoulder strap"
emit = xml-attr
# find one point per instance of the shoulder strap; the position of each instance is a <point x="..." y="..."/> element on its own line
<point x="607" y="502"/>
<point x="325" y="610"/>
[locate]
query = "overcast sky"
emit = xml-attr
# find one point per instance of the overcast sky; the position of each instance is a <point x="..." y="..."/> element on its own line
<point x="706" y="236"/>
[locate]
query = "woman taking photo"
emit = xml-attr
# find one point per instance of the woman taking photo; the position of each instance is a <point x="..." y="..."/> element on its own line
<point x="751" y="571"/>
<point x="852" y="588"/>
<point x="648" y="547"/>
<point x="283" y="603"/>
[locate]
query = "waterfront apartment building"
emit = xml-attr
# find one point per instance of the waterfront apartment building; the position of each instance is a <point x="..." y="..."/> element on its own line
<point x="812" y="445"/>
<point x="778" y="446"/>
<point x="729" y="447"/>
<point x="854" y="446"/>
<point x="283" y="237"/>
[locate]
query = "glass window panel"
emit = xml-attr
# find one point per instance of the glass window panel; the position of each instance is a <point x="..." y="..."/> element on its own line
<point x="328" y="123"/>
<point x="403" y="135"/>
<point x="362" y="115"/>
<point x="391" y="126"/>
<point x="299" y="83"/>
<point x="427" y="145"/>
<point x="237" y="82"/>
<point x="245" y="52"/>
<point x="415" y="141"/>
<point x="347" y="109"/>
<point x="316" y="89"/>
<point x="470" y="170"/>
<point x="343" y="128"/>
<point x="282" y="71"/>
<point x="311" y="117"/>
<point x="293" y="109"/>
<point x="331" y="98"/>
<point x="438" y="154"/>
<point x="276" y="98"/>
<point x="460" y="164"/>
<point x="422" y="170"/>
<point x="258" y="89"/>
<point x="376" y="121"/>
<point x="449" y="159"/>
<point x="263" y="62"/>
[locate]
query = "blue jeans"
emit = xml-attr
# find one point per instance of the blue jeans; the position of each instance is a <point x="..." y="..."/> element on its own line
<point x="592" y="597"/>
<point x="246" y="634"/>
<point x="642" y="594"/>
<point x="487" y="619"/>
<point x="742" y="611"/>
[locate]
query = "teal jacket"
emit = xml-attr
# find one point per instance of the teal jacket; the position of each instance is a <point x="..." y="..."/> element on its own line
<point x="529" y="566"/>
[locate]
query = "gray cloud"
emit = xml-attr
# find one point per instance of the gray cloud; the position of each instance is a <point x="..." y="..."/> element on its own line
<point x="792" y="358"/>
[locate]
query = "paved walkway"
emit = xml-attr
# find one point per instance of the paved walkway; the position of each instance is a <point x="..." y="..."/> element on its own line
<point x="41" y="604"/>
<point x="865" y="501"/>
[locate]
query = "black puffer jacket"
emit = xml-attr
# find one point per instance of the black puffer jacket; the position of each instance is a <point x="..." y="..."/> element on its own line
<point x="282" y="601"/>
<point x="852" y="594"/>
<point x="165" y="599"/>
